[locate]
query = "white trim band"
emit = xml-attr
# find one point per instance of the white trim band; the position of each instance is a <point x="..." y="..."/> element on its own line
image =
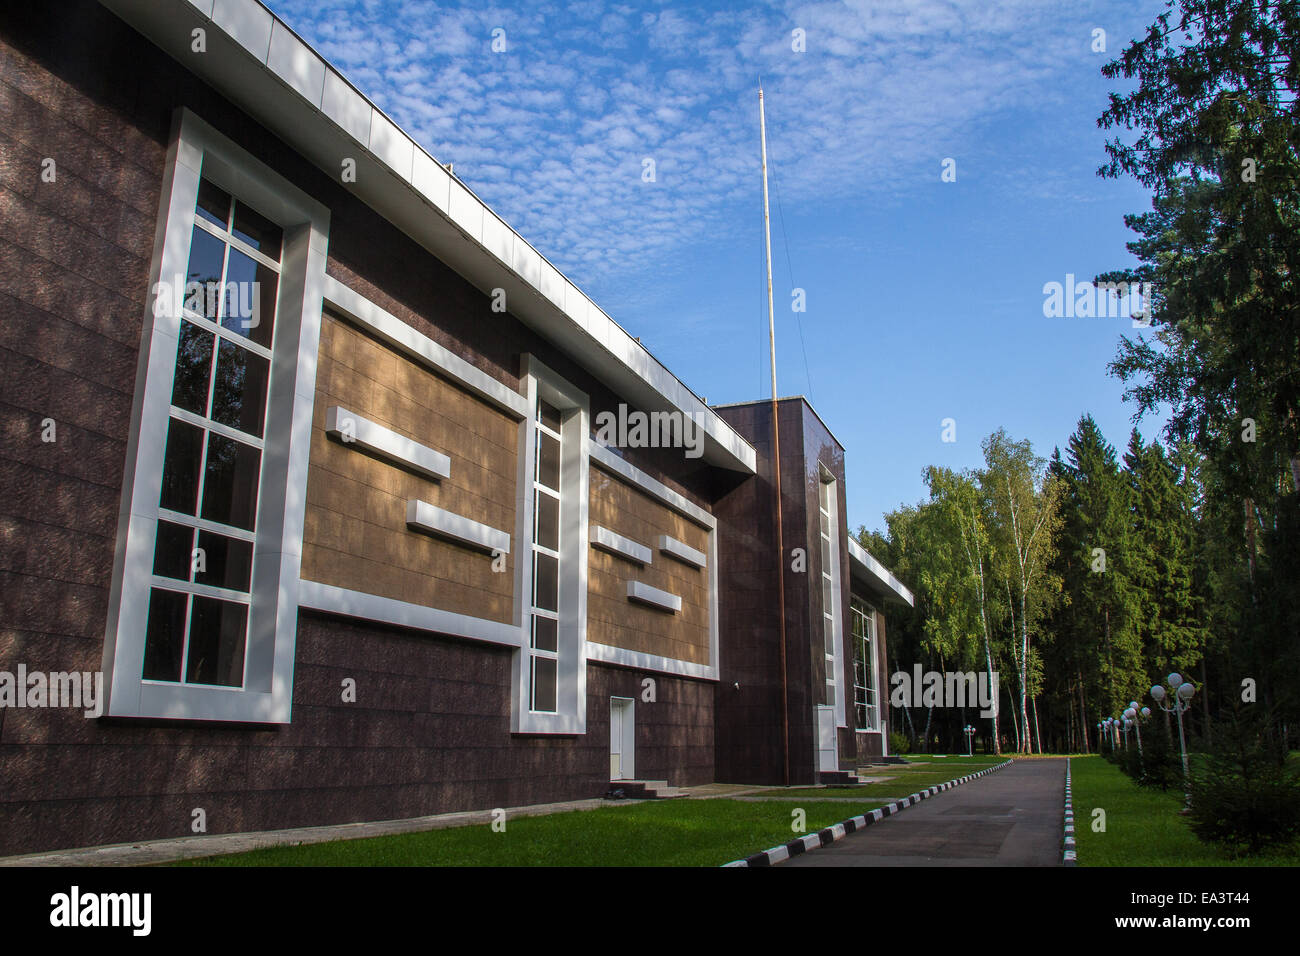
<point x="371" y="607"/>
<point x="607" y="540"/>
<point x="385" y="442"/>
<point x="681" y="551"/>
<point x="426" y="517"/>
<point x="645" y="594"/>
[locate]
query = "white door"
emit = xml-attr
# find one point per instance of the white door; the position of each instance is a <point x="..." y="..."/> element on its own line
<point x="828" y="751"/>
<point x="622" y="737"/>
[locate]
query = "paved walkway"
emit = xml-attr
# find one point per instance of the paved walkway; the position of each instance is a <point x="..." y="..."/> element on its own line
<point x="1009" y="818"/>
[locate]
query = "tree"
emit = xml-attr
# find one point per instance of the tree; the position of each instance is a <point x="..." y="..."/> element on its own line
<point x="1096" y="563"/>
<point x="1217" y="142"/>
<point x="1024" y="501"/>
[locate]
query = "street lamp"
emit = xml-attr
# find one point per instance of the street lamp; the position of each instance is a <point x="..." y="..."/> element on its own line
<point x="1181" y="700"/>
<point x="969" y="731"/>
<point x="1133" y="715"/>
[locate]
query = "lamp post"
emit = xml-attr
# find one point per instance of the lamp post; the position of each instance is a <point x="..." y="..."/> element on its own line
<point x="1180" y="693"/>
<point x="1133" y="716"/>
<point x="969" y="731"/>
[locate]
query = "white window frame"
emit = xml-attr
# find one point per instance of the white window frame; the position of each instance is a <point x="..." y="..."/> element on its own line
<point x="865" y="644"/>
<point x="828" y="526"/>
<point x="570" y="716"/>
<point x="198" y="151"/>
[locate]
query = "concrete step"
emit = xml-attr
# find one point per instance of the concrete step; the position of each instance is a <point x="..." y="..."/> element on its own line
<point x="839" y="778"/>
<point x="646" y="790"/>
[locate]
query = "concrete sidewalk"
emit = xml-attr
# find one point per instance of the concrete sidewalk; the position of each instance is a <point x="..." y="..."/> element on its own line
<point x="1009" y="818"/>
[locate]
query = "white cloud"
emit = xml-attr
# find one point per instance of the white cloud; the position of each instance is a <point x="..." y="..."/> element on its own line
<point x="552" y="133"/>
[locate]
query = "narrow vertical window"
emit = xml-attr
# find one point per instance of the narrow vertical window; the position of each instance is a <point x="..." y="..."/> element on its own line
<point x="830" y="593"/>
<point x="212" y="463"/>
<point x="544" y="646"/>
<point x="865" y="707"/>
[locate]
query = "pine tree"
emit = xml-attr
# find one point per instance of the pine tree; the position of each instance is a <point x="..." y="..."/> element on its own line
<point x="1097" y="571"/>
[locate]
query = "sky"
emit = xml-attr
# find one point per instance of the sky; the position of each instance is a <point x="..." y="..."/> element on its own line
<point x="622" y="140"/>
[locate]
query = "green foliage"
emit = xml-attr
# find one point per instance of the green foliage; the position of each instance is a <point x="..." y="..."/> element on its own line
<point x="899" y="743"/>
<point x="1162" y="762"/>
<point x="1244" y="796"/>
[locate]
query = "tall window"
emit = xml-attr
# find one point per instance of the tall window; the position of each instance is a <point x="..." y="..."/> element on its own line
<point x="865" y="707"/>
<point x="830" y="593"/>
<point x="544" y="648"/>
<point x="207" y="508"/>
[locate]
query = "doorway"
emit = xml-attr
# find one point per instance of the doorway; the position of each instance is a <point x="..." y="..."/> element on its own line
<point x="622" y="739"/>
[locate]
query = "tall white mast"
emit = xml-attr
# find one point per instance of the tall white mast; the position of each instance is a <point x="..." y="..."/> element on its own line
<point x="776" y="455"/>
<point x="767" y="238"/>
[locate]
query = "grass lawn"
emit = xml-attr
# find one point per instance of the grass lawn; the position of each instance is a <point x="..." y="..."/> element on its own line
<point x="653" y="833"/>
<point x="1143" y="827"/>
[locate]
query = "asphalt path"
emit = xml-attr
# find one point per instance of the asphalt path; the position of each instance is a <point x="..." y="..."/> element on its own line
<point x="1013" y="817"/>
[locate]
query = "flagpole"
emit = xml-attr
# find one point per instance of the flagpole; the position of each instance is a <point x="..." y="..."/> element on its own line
<point x="776" y="452"/>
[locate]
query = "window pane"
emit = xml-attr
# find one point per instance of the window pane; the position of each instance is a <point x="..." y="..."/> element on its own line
<point x="173" y="550"/>
<point x="214" y="204"/>
<point x="829" y="635"/>
<point x="828" y="596"/>
<point x="193" y="367"/>
<point x="216" y="642"/>
<point x="249" y="298"/>
<point x="545" y="633"/>
<point x="227" y="562"/>
<point x="548" y="415"/>
<point x="206" y="255"/>
<point x="544" y="684"/>
<point x="239" y="398"/>
<point x="180" y="482"/>
<point x="548" y="521"/>
<point x="548" y="461"/>
<point x="824" y="496"/>
<point x="164" y="635"/>
<point x="826" y="555"/>
<point x="230" y="482"/>
<point x="258" y="231"/>
<point x="830" y="694"/>
<point x="546" y="577"/>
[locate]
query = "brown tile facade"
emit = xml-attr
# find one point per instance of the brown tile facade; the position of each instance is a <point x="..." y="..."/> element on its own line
<point x="614" y="620"/>
<point x="355" y="534"/>
<point x="430" y="730"/>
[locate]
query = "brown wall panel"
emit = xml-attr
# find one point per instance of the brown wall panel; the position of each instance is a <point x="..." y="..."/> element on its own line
<point x="355" y="533"/>
<point x="614" y="620"/>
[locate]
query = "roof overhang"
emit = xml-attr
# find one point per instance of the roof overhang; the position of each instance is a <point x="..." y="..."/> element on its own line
<point x="878" y="578"/>
<point x="255" y="60"/>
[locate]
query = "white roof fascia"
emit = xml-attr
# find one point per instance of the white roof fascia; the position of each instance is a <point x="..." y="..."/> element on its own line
<point x="869" y="569"/>
<point x="255" y="60"/>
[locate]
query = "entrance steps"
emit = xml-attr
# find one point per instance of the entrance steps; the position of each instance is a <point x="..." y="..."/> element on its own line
<point x="839" y="778"/>
<point x="647" y="789"/>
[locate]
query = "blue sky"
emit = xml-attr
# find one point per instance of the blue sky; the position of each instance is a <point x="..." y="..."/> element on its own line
<point x="924" y="298"/>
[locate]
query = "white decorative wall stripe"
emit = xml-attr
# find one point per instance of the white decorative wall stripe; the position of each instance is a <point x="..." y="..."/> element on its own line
<point x="425" y="517"/>
<point x="372" y="607"/>
<point x="649" y="662"/>
<point x="616" y="466"/>
<point x="645" y="594"/>
<point x="681" y="551"/>
<point x="351" y="429"/>
<point x="396" y="333"/>
<point x="607" y="540"/>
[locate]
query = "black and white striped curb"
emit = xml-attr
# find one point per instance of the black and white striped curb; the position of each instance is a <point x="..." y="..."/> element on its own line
<point x="839" y="831"/>
<point x="1069" y="858"/>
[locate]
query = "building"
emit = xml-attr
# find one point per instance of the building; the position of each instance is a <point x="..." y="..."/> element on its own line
<point x="301" y="455"/>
